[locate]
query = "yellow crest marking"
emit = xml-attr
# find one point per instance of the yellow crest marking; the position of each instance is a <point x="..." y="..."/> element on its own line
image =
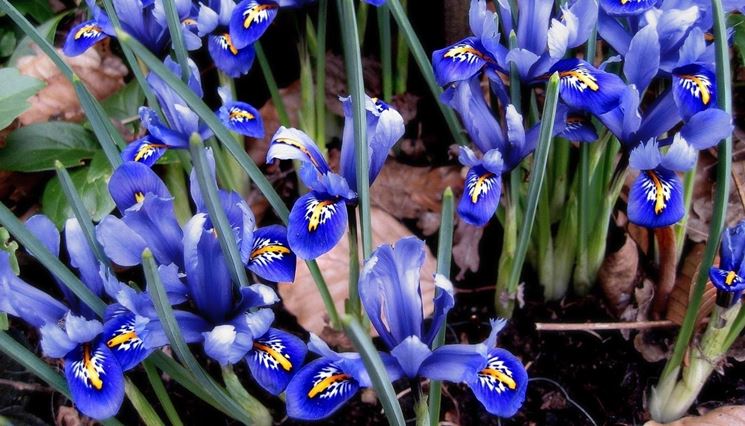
<point x="507" y="380"/>
<point x="582" y="76"/>
<point x="702" y="87"/>
<point x="281" y="359"/>
<point x="269" y="249"/>
<point x="139" y="197"/>
<point x="93" y="376"/>
<point x="239" y="113"/>
<point x="85" y="30"/>
<point x="315" y="216"/>
<point x="325" y="383"/>
<point x="298" y="145"/>
<point x="659" y="203"/>
<point x="254" y="13"/>
<point x="480" y="185"/>
<point x="122" y="338"/>
<point x="463" y="49"/>
<point x="731" y="275"/>
<point x="229" y="42"/>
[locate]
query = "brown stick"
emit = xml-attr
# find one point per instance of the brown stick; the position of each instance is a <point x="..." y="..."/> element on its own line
<point x="633" y="325"/>
<point x="668" y="261"/>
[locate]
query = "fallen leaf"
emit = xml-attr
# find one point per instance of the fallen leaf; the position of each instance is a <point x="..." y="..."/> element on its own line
<point x="729" y="415"/>
<point x="618" y="275"/>
<point x="466" y="240"/>
<point x="101" y="72"/>
<point x="680" y="295"/>
<point x="302" y="298"/>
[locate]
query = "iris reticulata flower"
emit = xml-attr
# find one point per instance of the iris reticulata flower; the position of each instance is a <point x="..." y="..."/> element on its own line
<point x="729" y="276"/>
<point x="318" y="219"/>
<point x="213" y="21"/>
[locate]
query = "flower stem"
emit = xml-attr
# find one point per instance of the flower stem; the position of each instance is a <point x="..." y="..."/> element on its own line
<point x="353" y="303"/>
<point x="386" y="57"/>
<point x="271" y="84"/>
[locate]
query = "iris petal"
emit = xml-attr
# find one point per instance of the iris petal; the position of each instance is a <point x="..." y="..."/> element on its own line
<point x="275" y="358"/>
<point x="250" y="19"/>
<point x="626" y="7"/>
<point x="694" y="89"/>
<point x="728" y="281"/>
<point x="131" y="181"/>
<point x="587" y="88"/>
<point x="319" y="389"/>
<point x="459" y="61"/>
<point x="656" y="199"/>
<point x="82" y="36"/>
<point x="501" y="384"/>
<point x="228" y="58"/>
<point x="317" y="222"/>
<point x="120" y="337"/>
<point x="293" y="144"/>
<point x="271" y="257"/>
<point x="242" y="118"/>
<point x="146" y="150"/>
<point x="95" y="379"/>
<point x="480" y="196"/>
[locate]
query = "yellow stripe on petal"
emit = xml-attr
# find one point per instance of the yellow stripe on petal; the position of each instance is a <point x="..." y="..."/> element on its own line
<point x="500" y="376"/>
<point x="281" y="359"/>
<point x="326" y="382"/>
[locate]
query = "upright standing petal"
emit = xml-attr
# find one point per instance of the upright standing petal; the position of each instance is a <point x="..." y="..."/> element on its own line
<point x="250" y="19"/>
<point x="95" y="379"/>
<point x="317" y="222"/>
<point x="467" y="99"/>
<point x="642" y="61"/>
<point x="318" y="389"/>
<point x="275" y="358"/>
<point x="120" y="243"/>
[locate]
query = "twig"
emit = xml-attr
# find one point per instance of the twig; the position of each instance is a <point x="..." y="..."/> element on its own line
<point x="632" y="325"/>
<point x="26" y="387"/>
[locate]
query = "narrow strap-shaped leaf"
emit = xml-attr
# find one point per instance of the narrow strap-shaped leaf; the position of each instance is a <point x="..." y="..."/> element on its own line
<point x="444" y="257"/>
<point x="719" y="212"/>
<point x="225" y="234"/>
<point x="177" y="38"/>
<point x="143" y="407"/>
<point x="241" y="395"/>
<point x="355" y="85"/>
<point x="224" y="136"/>
<point x="271" y="85"/>
<point x="421" y="59"/>
<point x="320" y="99"/>
<point x="375" y="368"/>
<point x="81" y="213"/>
<point x="537" y="174"/>
<point x="386" y="55"/>
<point x="160" y="392"/>
<point x="178" y="344"/>
<point x="51" y="262"/>
<point x="107" y="135"/>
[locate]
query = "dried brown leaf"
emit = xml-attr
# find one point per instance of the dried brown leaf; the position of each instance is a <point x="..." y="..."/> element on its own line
<point x="680" y="295"/>
<point x="466" y="240"/>
<point x="730" y="415"/>
<point x="101" y="72"/>
<point x="302" y="298"/>
<point x="618" y="275"/>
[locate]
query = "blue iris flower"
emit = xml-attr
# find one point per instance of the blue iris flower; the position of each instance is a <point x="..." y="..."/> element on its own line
<point x="95" y="355"/>
<point x="137" y="19"/>
<point x="502" y="149"/>
<point x="214" y="21"/>
<point x="181" y="123"/>
<point x="240" y="117"/>
<point x="542" y="44"/>
<point x="390" y="292"/>
<point x="729" y="276"/>
<point x="318" y="219"/>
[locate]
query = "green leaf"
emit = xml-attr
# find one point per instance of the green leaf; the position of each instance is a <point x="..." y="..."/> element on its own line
<point x="124" y="103"/>
<point x="15" y="89"/>
<point x="36" y="147"/>
<point x="48" y="29"/>
<point x="7" y="43"/>
<point x="94" y="192"/>
<point x="38" y="9"/>
<point x="737" y="23"/>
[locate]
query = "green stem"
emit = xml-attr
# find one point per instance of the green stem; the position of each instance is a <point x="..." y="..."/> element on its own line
<point x="353" y="303"/>
<point x="583" y="213"/>
<point x="534" y="190"/>
<point x="252" y="405"/>
<point x="321" y="74"/>
<point x="444" y="258"/>
<point x="719" y="213"/>
<point x="362" y="10"/>
<point x="176" y="183"/>
<point x="177" y="38"/>
<point x="422" y="60"/>
<point x="376" y="369"/>
<point x="680" y="228"/>
<point x="271" y="84"/>
<point x="402" y="58"/>
<point x="143" y="407"/>
<point x="353" y="62"/>
<point x="386" y="56"/>
<point x="217" y="214"/>
<point x="161" y="393"/>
